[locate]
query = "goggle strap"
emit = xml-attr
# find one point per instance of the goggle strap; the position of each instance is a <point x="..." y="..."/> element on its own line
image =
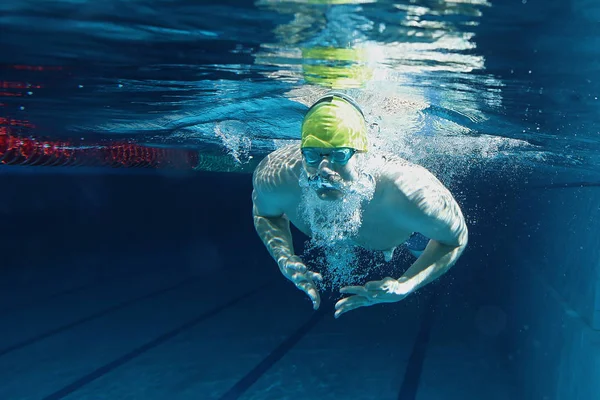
<point x="329" y="98"/>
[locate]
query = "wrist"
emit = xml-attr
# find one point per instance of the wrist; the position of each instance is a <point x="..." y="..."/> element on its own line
<point x="403" y="287"/>
<point x="284" y="259"/>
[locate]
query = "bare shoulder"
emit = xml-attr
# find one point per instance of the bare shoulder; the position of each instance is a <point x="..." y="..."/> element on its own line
<point x="275" y="181"/>
<point x="278" y="170"/>
<point x="416" y="185"/>
<point x="402" y="173"/>
<point x="422" y="202"/>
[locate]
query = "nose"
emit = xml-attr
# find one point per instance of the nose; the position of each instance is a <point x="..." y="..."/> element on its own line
<point x="324" y="169"/>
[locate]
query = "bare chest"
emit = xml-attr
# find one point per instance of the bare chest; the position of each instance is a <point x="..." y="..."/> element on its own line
<point x="378" y="229"/>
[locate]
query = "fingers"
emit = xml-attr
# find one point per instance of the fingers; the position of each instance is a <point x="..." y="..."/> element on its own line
<point x="349" y="304"/>
<point x="295" y="270"/>
<point x="310" y="289"/>
<point x="300" y="267"/>
<point x="305" y="282"/>
<point x="363" y="296"/>
<point x="307" y="276"/>
<point x="315" y="276"/>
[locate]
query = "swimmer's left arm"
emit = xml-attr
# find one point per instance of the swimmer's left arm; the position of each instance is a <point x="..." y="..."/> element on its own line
<point x="432" y="211"/>
<point x="423" y="205"/>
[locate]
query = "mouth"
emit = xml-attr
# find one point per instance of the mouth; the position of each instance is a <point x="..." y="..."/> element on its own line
<point x="317" y="183"/>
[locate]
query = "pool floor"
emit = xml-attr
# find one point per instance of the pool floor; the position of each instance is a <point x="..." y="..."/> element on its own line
<point x="137" y="328"/>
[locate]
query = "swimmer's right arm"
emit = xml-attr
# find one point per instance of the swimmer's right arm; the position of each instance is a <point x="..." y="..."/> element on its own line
<point x="273" y="228"/>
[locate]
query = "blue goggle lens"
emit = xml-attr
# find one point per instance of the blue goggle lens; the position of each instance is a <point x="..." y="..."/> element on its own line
<point x="340" y="156"/>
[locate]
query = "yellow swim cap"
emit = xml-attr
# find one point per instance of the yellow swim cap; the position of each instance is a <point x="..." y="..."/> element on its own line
<point x="334" y="121"/>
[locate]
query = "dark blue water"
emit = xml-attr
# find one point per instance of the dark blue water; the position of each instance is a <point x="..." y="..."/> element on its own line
<point x="150" y="283"/>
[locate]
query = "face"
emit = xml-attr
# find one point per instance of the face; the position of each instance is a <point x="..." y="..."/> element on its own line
<point x="329" y="170"/>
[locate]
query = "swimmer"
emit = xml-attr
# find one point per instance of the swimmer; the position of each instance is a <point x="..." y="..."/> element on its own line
<point x="396" y="200"/>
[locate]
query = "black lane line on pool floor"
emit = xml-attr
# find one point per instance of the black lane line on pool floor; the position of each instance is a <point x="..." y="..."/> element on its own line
<point x="105" y="369"/>
<point x="239" y="388"/>
<point x="412" y="374"/>
<point x="89" y="318"/>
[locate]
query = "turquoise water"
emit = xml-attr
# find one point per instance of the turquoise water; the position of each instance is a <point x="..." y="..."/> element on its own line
<point x="480" y="81"/>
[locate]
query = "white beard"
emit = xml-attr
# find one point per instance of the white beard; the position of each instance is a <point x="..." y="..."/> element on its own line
<point x="333" y="225"/>
<point x="334" y="221"/>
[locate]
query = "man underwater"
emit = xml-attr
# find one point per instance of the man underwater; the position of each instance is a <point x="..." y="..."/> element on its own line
<point x="395" y="200"/>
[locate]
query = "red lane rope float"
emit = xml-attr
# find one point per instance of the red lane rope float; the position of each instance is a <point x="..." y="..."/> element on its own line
<point x="30" y="151"/>
<point x="26" y="151"/>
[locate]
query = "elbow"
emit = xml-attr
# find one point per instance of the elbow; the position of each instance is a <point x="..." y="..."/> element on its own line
<point x="462" y="236"/>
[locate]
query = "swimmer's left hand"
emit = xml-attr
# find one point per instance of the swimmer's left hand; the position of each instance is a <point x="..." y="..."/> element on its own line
<point x="387" y="290"/>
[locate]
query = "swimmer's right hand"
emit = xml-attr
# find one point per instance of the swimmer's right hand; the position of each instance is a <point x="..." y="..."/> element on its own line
<point x="294" y="269"/>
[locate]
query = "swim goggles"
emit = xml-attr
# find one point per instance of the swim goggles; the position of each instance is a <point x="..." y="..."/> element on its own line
<point x="339" y="155"/>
